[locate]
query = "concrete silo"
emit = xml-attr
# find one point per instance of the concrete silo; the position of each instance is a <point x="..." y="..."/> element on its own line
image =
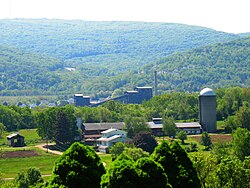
<point x="207" y="110"/>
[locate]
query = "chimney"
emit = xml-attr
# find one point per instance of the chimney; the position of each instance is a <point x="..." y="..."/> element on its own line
<point x="156" y="83"/>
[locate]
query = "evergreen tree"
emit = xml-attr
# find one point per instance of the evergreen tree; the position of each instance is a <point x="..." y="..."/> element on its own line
<point x="62" y="128"/>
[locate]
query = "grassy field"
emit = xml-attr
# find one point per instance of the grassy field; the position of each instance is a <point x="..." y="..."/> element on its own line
<point x="215" y="138"/>
<point x="30" y="136"/>
<point x="9" y="167"/>
<point x="106" y="158"/>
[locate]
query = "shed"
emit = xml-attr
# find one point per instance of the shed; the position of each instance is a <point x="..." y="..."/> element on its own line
<point x="15" y="139"/>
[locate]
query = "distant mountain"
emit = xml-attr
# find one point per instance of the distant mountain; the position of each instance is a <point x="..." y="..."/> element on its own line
<point x="41" y="57"/>
<point x="116" y="46"/>
<point x="244" y="34"/>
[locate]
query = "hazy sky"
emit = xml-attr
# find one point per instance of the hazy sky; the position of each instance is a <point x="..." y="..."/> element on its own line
<point x="223" y="15"/>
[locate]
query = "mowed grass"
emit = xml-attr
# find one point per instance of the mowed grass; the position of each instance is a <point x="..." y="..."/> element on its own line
<point x="9" y="167"/>
<point x="106" y="158"/>
<point x="31" y="137"/>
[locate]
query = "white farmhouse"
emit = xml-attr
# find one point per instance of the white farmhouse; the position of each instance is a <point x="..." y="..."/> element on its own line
<point x="110" y="137"/>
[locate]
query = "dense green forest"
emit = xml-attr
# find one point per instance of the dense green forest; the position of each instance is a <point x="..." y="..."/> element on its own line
<point x="101" y="59"/>
<point x="78" y="42"/>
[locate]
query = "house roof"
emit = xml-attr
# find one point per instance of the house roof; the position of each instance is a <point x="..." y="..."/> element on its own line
<point x="109" y="131"/>
<point x="154" y="125"/>
<point x="109" y="139"/>
<point x="145" y="87"/>
<point x="103" y="126"/>
<point x="188" y="125"/>
<point x="14" y="135"/>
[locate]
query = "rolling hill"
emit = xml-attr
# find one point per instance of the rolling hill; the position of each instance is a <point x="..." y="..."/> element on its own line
<point x="116" y="46"/>
<point x="39" y="57"/>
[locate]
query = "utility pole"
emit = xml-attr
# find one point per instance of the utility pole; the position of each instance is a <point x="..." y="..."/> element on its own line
<point x="47" y="140"/>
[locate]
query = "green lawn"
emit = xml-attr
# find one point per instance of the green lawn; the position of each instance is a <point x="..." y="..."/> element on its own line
<point x="9" y="167"/>
<point x="106" y="158"/>
<point x="31" y="137"/>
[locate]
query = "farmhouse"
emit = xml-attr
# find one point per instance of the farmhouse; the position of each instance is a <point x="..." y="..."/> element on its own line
<point x="15" y="139"/>
<point x="109" y="138"/>
<point x="92" y="131"/>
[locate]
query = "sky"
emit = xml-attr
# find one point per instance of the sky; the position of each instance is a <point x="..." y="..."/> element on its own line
<point x="230" y="16"/>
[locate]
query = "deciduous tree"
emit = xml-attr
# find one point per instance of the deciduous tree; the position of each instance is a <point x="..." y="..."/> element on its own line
<point x="79" y="166"/>
<point x="241" y="143"/>
<point x="206" y="140"/>
<point x="177" y="165"/>
<point x="182" y="135"/>
<point x="169" y="127"/>
<point x="134" y="125"/>
<point x="145" y="141"/>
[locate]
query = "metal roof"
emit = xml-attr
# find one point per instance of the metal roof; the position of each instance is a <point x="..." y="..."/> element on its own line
<point x="109" y="139"/>
<point x="207" y="92"/>
<point x="188" y="125"/>
<point x="14" y="135"/>
<point x="109" y="131"/>
<point x="103" y="126"/>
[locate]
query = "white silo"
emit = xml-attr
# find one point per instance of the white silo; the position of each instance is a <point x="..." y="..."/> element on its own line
<point x="207" y="110"/>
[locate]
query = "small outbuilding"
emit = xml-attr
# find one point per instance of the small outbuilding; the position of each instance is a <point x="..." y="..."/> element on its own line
<point x="15" y="140"/>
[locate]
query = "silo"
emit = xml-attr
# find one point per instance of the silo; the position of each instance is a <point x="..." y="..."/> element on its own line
<point x="207" y="110"/>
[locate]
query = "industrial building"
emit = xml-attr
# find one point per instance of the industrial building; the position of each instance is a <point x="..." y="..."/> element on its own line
<point x="80" y="100"/>
<point x="135" y="96"/>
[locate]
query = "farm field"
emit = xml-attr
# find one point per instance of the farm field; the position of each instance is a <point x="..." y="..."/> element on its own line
<point x="31" y="137"/>
<point x="215" y="138"/>
<point x="12" y="162"/>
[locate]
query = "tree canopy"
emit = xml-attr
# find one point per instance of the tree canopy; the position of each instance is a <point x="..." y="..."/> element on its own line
<point x="177" y="165"/>
<point x="77" y="167"/>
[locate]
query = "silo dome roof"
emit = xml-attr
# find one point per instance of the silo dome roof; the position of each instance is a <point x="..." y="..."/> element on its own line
<point x="207" y="92"/>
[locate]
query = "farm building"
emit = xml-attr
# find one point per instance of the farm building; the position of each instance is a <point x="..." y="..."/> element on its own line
<point x="190" y="128"/>
<point x="207" y="110"/>
<point x="92" y="131"/>
<point x="15" y="139"/>
<point x="110" y="137"/>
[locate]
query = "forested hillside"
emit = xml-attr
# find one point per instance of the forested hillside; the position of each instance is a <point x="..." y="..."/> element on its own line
<point x="224" y="64"/>
<point x="117" y="46"/>
<point x="101" y="59"/>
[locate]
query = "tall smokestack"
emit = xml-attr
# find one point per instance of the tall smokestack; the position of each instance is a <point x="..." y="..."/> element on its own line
<point x="156" y="83"/>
